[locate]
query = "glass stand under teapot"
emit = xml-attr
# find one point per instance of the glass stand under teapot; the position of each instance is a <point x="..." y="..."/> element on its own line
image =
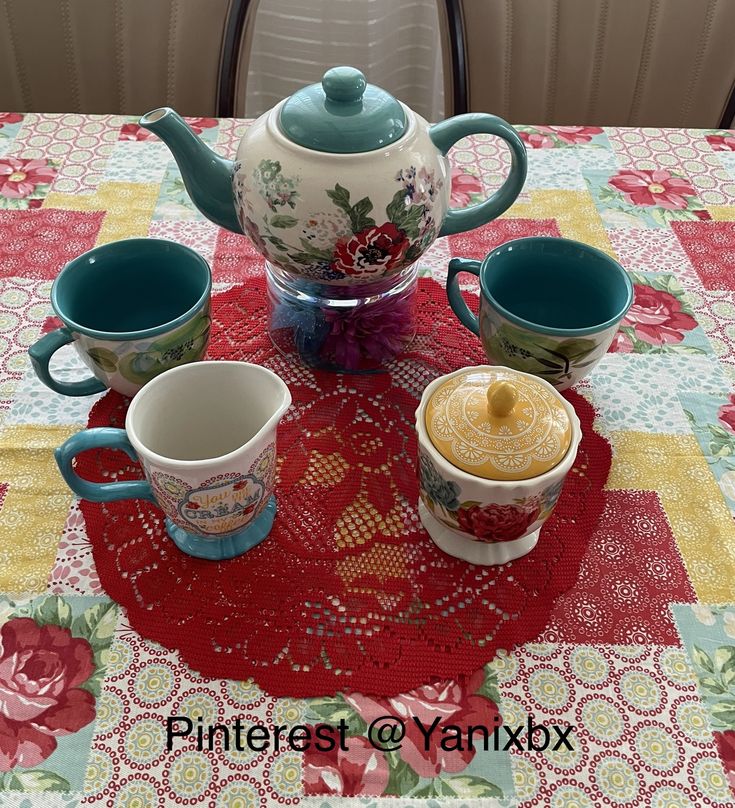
<point x="356" y="328"/>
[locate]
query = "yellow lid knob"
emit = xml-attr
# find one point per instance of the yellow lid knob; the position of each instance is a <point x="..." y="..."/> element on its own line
<point x="498" y="423"/>
<point x="501" y="399"/>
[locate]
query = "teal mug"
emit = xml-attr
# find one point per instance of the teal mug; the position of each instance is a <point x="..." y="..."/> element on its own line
<point x="132" y="309"/>
<point x="548" y="306"/>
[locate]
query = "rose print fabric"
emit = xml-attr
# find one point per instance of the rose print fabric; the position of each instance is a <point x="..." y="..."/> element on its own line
<point x="631" y="641"/>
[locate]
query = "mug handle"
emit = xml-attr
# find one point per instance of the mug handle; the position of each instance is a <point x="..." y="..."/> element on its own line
<point x="100" y="438"/>
<point x="41" y="352"/>
<point x="456" y="301"/>
<point x="446" y="133"/>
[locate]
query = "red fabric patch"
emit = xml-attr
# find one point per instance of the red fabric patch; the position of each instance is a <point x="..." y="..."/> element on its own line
<point x="235" y="258"/>
<point x="38" y="243"/>
<point x="631" y="572"/>
<point x="711" y="249"/>
<point x="335" y="599"/>
<point x="479" y="242"/>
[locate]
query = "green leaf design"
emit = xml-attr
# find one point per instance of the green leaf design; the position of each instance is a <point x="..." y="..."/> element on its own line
<point x="341" y="198"/>
<point x="103" y="357"/>
<point x="358" y="214"/>
<point x="538" y="354"/>
<point x="712" y="685"/>
<point x="724" y="658"/>
<point x="720" y="432"/>
<point x="53" y="610"/>
<point x="489" y="688"/>
<point x="702" y="660"/>
<point x="397" y="206"/>
<point x="332" y="710"/>
<point x="283" y="220"/>
<point x="607" y="194"/>
<point x="402" y="777"/>
<point x="468" y="786"/>
<point x="404" y="216"/>
<point x="277" y="242"/>
<point x="682" y="349"/>
<point x="97" y="624"/>
<point x="37" y="780"/>
<point x="95" y="681"/>
<point x="724" y="713"/>
<point x="728" y="677"/>
<point x="461" y="786"/>
<point x="659" y="216"/>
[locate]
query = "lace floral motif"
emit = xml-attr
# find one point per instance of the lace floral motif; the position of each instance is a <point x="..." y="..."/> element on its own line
<point x="347" y="592"/>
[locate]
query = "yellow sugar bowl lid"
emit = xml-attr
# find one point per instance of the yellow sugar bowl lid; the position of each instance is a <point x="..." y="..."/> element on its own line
<point x="498" y="423"/>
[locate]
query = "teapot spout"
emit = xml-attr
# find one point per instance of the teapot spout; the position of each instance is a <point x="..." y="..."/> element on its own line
<point x="207" y="176"/>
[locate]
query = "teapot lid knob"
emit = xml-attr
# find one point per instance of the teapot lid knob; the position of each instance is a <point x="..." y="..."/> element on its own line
<point x="343" y="114"/>
<point x="344" y="84"/>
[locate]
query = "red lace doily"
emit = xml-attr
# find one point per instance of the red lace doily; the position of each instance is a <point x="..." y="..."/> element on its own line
<point x="348" y="592"/>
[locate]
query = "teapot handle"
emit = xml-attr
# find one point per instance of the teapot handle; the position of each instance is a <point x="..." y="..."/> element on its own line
<point x="446" y="133"/>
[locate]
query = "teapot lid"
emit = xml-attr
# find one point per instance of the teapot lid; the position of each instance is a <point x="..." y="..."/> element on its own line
<point x="343" y="114"/>
<point x="498" y="423"/>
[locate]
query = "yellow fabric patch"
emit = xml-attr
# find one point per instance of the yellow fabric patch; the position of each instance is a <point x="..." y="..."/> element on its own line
<point x="674" y="467"/>
<point x="720" y="213"/>
<point x="35" y="507"/>
<point x="129" y="207"/>
<point x="575" y="214"/>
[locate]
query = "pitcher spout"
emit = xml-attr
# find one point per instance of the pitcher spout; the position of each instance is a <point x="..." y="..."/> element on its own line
<point x="207" y="176"/>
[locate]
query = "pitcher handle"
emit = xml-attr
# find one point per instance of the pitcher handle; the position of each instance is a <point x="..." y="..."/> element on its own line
<point x="446" y="133"/>
<point x="41" y="352"/>
<point x="100" y="438"/>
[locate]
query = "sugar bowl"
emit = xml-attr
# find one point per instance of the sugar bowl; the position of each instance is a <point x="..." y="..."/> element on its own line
<point x="495" y="446"/>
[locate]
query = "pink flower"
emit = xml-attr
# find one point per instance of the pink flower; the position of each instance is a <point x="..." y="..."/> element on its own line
<point x="657" y="187"/>
<point x="726" y="414"/>
<point x="452" y="702"/>
<point x="656" y="317"/>
<point x="41" y="668"/>
<point x="9" y="117"/>
<point x="361" y="770"/>
<point x="573" y="134"/>
<point x="19" y="178"/>
<point x="496" y="523"/>
<point x="537" y="140"/>
<point x="463" y="185"/>
<point x="722" y="142"/>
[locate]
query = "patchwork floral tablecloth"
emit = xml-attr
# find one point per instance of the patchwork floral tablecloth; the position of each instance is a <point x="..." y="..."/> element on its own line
<point x="638" y="657"/>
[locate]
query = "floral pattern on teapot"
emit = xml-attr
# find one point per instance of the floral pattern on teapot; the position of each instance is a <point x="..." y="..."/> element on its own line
<point x="346" y="244"/>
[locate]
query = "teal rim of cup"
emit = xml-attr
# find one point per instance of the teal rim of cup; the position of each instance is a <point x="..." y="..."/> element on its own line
<point x="547" y="329"/>
<point x="146" y="332"/>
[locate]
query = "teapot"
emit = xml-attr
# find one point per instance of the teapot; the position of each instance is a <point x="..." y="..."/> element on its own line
<point x="340" y="183"/>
